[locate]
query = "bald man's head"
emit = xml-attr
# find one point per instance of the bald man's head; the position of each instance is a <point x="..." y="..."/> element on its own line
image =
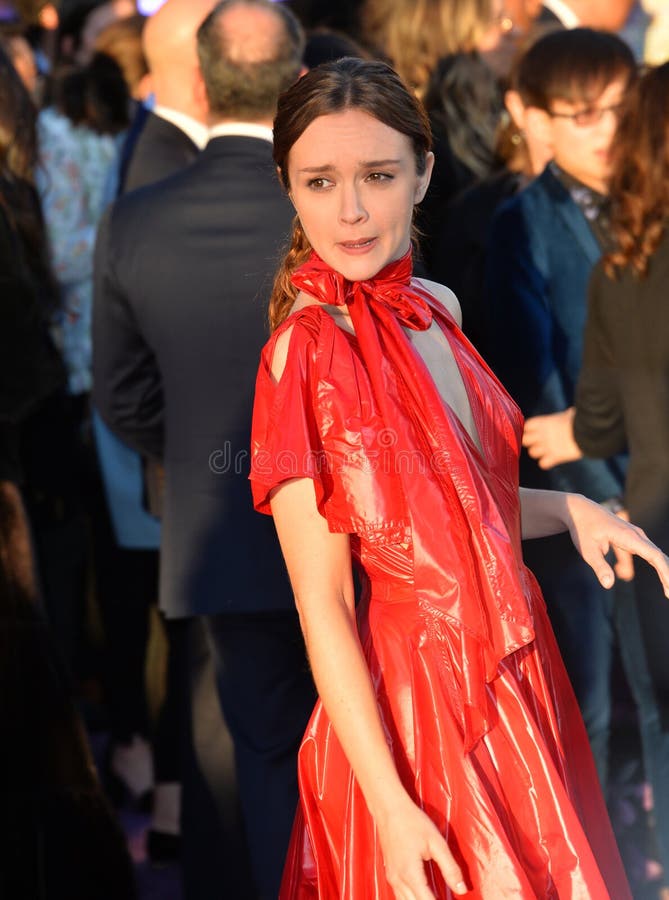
<point x="169" y="41"/>
<point x="249" y="51"/>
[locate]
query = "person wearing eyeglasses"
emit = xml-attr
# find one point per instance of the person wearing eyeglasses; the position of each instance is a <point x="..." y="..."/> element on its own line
<point x="544" y="243"/>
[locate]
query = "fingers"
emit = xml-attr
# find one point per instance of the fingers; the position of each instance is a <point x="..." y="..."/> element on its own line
<point x="448" y="867"/>
<point x="624" y="565"/>
<point x="413" y="884"/>
<point x="631" y="540"/>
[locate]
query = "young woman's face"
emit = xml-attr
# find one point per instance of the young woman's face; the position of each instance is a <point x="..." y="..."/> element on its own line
<point x="354" y="184"/>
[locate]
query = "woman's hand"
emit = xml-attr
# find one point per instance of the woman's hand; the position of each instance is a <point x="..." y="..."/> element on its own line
<point x="409" y="839"/>
<point x="595" y="531"/>
<point x="550" y="439"/>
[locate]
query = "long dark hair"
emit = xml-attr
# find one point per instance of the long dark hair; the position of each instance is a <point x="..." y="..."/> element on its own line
<point x="639" y="186"/>
<point x="18" y="159"/>
<point x="465" y="104"/>
<point x="348" y="83"/>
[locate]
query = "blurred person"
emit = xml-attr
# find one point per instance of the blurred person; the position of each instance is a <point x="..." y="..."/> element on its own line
<point x="98" y="18"/>
<point x="443" y="703"/>
<point x="78" y="146"/>
<point x="464" y="101"/>
<point x="623" y="386"/>
<point x="181" y="270"/>
<point x="414" y="34"/>
<point x="459" y="246"/>
<point x="143" y="759"/>
<point x="21" y="54"/>
<point x="175" y="130"/>
<point x="59" y="837"/>
<point x="543" y="245"/>
<point x="122" y="41"/>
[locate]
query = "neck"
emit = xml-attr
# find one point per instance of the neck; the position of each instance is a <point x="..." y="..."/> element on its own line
<point x="230" y="120"/>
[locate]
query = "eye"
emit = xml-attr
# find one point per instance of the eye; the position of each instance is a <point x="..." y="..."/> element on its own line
<point x="379" y="177"/>
<point x="319" y="184"/>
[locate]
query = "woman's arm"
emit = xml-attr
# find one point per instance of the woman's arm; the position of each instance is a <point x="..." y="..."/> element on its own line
<point x="593" y="530"/>
<point x="319" y="565"/>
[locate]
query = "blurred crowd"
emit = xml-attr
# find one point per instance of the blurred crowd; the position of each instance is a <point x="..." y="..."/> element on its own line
<point x="140" y="224"/>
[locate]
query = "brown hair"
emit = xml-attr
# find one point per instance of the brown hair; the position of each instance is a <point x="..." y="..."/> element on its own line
<point x="574" y="65"/>
<point x="640" y="174"/>
<point x="122" y="40"/>
<point x="414" y="34"/>
<point x="348" y="83"/>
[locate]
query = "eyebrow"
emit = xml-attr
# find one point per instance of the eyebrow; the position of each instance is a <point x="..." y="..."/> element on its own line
<point x="371" y="164"/>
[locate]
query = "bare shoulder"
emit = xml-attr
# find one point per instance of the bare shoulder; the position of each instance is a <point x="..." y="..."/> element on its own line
<point x="444" y="295"/>
<point x="280" y="354"/>
<point x="282" y="343"/>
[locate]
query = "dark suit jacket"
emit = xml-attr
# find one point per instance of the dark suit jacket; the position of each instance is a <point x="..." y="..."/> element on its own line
<point x="622" y="398"/>
<point x="160" y="150"/>
<point x="183" y="273"/>
<point x="539" y="260"/>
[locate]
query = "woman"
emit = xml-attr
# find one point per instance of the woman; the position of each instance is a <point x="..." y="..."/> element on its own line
<point x="446" y="731"/>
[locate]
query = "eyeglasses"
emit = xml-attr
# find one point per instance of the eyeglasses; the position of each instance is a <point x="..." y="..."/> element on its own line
<point x="589" y="116"/>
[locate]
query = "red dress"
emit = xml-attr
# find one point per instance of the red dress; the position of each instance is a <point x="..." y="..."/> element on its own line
<point x="472" y="693"/>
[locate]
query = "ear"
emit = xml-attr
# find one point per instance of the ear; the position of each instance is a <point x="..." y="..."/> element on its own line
<point x="424" y="179"/>
<point x="200" y="94"/>
<point x="516" y="109"/>
<point x="145" y="87"/>
<point x="539" y="125"/>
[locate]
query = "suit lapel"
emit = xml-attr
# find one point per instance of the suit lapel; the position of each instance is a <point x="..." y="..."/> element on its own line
<point x="572" y="217"/>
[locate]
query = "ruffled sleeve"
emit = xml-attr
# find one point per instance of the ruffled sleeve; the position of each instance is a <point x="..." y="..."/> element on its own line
<point x="320" y="422"/>
<point x="285" y="442"/>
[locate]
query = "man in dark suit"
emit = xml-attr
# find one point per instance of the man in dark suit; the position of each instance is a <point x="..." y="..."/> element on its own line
<point x="544" y="244"/>
<point x="171" y="135"/>
<point x="183" y="271"/>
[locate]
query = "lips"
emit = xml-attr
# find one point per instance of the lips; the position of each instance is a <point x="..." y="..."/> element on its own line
<point x="361" y="245"/>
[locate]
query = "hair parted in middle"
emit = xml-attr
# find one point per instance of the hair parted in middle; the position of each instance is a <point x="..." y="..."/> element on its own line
<point x="349" y="83"/>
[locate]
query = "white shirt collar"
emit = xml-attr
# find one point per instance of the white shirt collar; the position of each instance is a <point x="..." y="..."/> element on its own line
<point x="244" y="129"/>
<point x="196" y="131"/>
<point x="564" y="13"/>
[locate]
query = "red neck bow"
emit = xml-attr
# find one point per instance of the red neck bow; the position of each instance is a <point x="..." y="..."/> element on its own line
<point x="452" y="510"/>
<point x="390" y="288"/>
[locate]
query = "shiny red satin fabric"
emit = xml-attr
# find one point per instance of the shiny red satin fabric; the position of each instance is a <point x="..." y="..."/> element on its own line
<point x="472" y="692"/>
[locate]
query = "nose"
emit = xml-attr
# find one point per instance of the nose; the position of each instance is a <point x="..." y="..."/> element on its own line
<point x="351" y="209"/>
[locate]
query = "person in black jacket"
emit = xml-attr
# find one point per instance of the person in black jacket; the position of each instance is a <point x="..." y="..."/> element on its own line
<point x="59" y="836"/>
<point x="170" y="136"/>
<point x="622" y="396"/>
<point x="182" y="276"/>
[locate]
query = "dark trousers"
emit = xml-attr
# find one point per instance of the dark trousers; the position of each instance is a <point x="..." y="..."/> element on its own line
<point x="251" y="698"/>
<point x="588" y="622"/>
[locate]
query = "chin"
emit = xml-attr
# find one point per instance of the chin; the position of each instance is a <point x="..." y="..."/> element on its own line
<point x="361" y="268"/>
